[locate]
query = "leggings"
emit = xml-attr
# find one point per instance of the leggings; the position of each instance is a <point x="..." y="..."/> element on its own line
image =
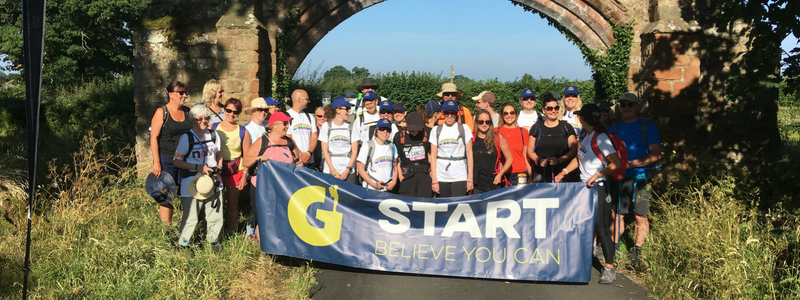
<point x="603" y="219"/>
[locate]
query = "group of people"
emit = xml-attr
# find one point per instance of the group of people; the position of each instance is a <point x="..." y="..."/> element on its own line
<point x="442" y="149"/>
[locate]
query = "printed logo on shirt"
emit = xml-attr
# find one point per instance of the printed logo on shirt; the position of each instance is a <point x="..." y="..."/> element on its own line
<point x="301" y="126"/>
<point x="383" y="160"/>
<point x="416" y="153"/>
<point x="445" y="142"/>
<point x="340" y="138"/>
<point x="582" y="149"/>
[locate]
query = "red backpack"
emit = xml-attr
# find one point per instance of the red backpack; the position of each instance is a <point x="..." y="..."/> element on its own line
<point x="622" y="152"/>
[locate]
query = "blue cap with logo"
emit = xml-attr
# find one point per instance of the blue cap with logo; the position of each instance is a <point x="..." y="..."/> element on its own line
<point x="527" y="93"/>
<point x="387" y="105"/>
<point x="370" y="95"/>
<point x="384" y="123"/>
<point x="450" y="105"/>
<point x="571" y="90"/>
<point x="271" y="102"/>
<point x="340" y="101"/>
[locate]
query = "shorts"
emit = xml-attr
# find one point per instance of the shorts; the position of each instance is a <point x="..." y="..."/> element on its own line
<point x="231" y="173"/>
<point x="623" y="192"/>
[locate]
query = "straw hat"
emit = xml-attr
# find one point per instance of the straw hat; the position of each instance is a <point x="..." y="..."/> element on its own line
<point x="202" y="186"/>
<point x="449" y="88"/>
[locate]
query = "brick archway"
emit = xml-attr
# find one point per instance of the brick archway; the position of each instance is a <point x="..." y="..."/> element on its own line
<point x="588" y="20"/>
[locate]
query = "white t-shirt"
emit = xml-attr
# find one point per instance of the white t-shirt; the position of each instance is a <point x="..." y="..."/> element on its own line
<point x="339" y="139"/>
<point x="527" y="120"/>
<point x="201" y="154"/>
<point x="572" y="119"/>
<point x="301" y="129"/>
<point x="588" y="160"/>
<point x="255" y="130"/>
<point x="451" y="146"/>
<point x="369" y="122"/>
<point x="382" y="161"/>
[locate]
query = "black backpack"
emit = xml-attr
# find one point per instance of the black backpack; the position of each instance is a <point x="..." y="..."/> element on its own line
<point x="264" y="140"/>
<point x="192" y="142"/>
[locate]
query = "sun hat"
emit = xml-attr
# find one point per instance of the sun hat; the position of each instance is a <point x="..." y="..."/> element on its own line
<point x="367" y="83"/>
<point x="450" y="105"/>
<point x="486" y="96"/>
<point x="449" y="88"/>
<point x="571" y="90"/>
<point x="278" y="116"/>
<point x="256" y="104"/>
<point x="340" y="101"/>
<point x="414" y="122"/>
<point x="399" y="107"/>
<point x="201" y="187"/>
<point x="162" y="189"/>
<point x="433" y="106"/>
<point x="590" y="112"/>
<point x="384" y="123"/>
<point x="386" y="105"/>
<point x="369" y="96"/>
<point x="527" y="93"/>
<point x="629" y="97"/>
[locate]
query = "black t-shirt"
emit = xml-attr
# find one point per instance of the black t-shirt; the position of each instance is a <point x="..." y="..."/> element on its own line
<point x="413" y="151"/>
<point x="484" y="161"/>
<point x="552" y="141"/>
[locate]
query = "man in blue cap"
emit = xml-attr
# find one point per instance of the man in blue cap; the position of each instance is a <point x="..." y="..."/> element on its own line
<point x="377" y="160"/>
<point x="528" y="116"/>
<point x="366" y="122"/>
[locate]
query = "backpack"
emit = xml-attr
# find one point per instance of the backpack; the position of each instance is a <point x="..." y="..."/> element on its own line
<point x="402" y="140"/>
<point x="263" y="147"/>
<point x="655" y="167"/>
<point x="183" y="173"/>
<point x="349" y="130"/>
<point x="166" y="116"/>
<point x="242" y="130"/>
<point x="564" y="125"/>
<point x="371" y="152"/>
<point x="622" y="152"/>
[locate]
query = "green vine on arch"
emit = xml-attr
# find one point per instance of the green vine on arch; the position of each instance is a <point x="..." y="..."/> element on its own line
<point x="609" y="70"/>
<point x="284" y="49"/>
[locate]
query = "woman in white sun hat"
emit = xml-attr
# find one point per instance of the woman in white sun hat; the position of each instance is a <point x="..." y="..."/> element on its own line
<point x="197" y="157"/>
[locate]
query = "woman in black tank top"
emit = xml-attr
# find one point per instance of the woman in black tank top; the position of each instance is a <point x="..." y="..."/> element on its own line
<point x="488" y="171"/>
<point x="166" y="127"/>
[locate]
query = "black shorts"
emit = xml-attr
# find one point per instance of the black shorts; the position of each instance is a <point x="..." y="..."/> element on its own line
<point x="625" y="197"/>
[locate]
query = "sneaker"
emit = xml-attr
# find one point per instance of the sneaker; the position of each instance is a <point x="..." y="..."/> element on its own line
<point x="637" y="261"/>
<point x="598" y="253"/>
<point x="608" y="276"/>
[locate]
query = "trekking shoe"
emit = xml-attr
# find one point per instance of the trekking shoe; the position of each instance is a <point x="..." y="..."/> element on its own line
<point x="608" y="276"/>
<point x="637" y="261"/>
<point x="598" y="253"/>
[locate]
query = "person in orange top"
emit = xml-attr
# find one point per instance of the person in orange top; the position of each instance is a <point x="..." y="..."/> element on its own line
<point x="451" y="92"/>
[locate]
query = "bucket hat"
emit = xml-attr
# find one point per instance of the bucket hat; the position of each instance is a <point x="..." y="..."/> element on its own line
<point x="367" y="83"/>
<point x="449" y="88"/>
<point x="202" y="186"/>
<point x="162" y="189"/>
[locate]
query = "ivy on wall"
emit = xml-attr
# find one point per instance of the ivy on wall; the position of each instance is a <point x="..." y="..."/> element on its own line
<point x="284" y="49"/>
<point x="609" y="66"/>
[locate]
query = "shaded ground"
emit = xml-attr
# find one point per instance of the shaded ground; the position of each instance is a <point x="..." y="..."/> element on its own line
<point x="336" y="282"/>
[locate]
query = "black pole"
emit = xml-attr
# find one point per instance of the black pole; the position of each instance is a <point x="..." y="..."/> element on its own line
<point x="33" y="46"/>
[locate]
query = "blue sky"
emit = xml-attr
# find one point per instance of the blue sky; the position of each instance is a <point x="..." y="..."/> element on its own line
<point x="482" y="38"/>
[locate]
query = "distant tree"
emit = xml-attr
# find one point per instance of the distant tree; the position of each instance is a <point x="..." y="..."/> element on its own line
<point x="84" y="39"/>
<point x="336" y="72"/>
<point x="359" y="73"/>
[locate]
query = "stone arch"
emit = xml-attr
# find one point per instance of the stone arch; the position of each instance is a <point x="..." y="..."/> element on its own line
<point x="588" y="20"/>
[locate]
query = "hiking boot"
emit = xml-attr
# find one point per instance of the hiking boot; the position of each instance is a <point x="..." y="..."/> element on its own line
<point x="598" y="253"/>
<point x="637" y="261"/>
<point x="608" y="276"/>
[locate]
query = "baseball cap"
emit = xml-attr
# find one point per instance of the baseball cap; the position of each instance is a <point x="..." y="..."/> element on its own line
<point x="571" y="90"/>
<point x="414" y="122"/>
<point x="386" y="105"/>
<point x="340" y="101"/>
<point x="450" y="105"/>
<point x="279" y="116"/>
<point x="433" y="106"/>
<point x="349" y="94"/>
<point x="486" y="96"/>
<point x="384" y="123"/>
<point x="399" y="107"/>
<point x="629" y="97"/>
<point x="527" y="93"/>
<point x="590" y="112"/>
<point x="370" y="95"/>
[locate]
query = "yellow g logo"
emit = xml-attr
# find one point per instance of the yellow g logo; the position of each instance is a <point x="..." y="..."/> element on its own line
<point x="297" y="213"/>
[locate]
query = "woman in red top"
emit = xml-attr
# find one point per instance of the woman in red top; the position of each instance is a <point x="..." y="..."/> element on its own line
<point x="517" y="142"/>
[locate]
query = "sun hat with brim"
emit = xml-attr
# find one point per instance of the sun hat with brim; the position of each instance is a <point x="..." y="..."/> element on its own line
<point x="201" y="187"/>
<point x="278" y="116"/>
<point x="162" y="189"/>
<point x="450" y="105"/>
<point x="339" y="102"/>
<point x="367" y="83"/>
<point x="414" y="122"/>
<point x="449" y="88"/>
<point x="256" y="104"/>
<point x="433" y="106"/>
<point x="590" y="112"/>
<point x="629" y="97"/>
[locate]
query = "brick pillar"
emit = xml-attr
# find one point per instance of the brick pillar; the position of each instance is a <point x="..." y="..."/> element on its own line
<point x="240" y="53"/>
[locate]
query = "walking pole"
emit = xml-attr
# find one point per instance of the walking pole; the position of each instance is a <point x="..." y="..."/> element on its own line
<point x="33" y="45"/>
<point x="619" y="210"/>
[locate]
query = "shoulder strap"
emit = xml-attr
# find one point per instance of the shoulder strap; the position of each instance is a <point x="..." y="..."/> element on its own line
<point x="596" y="149"/>
<point x="461" y="115"/>
<point x="643" y="131"/>
<point x="403" y="136"/>
<point x="214" y="126"/>
<point x="190" y="137"/>
<point x="242" y="130"/>
<point x="290" y="144"/>
<point x="461" y="134"/>
<point x="521" y="135"/>
<point x="166" y="115"/>
<point x="264" y="141"/>
<point x="616" y="127"/>
<point x="371" y="145"/>
<point x="330" y="125"/>
<point x="438" y="133"/>
<point x="372" y="131"/>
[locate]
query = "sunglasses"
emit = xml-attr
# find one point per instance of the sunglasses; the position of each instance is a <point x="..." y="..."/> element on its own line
<point x="484" y="122"/>
<point x="551" y="108"/>
<point x="386" y="112"/>
<point x="179" y="92"/>
<point x="384" y="129"/>
<point x="259" y="110"/>
<point x="320" y="116"/>
<point x="201" y="119"/>
<point x="510" y="113"/>
<point x="627" y="104"/>
<point x="450" y="94"/>
<point x="221" y="92"/>
<point x="450" y="113"/>
<point x="235" y="112"/>
<point x="528" y="99"/>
